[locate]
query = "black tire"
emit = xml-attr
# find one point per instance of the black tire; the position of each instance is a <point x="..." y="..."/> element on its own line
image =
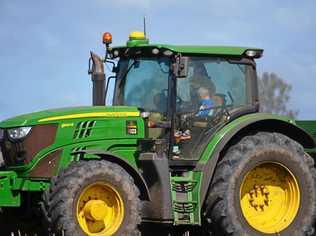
<point x="61" y="199"/>
<point x="223" y="209"/>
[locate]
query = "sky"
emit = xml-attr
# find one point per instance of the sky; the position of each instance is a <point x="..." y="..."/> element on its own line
<point x="45" y="45"/>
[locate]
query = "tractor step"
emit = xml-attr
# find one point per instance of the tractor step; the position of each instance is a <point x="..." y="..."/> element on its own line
<point x="185" y="200"/>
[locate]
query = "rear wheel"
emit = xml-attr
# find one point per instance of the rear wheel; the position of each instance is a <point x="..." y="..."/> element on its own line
<point x="273" y="205"/>
<point x="265" y="184"/>
<point x="95" y="198"/>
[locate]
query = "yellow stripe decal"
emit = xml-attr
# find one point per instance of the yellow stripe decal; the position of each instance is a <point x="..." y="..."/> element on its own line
<point x="93" y="114"/>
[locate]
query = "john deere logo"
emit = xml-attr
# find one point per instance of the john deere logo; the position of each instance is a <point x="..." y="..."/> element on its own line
<point x="65" y="125"/>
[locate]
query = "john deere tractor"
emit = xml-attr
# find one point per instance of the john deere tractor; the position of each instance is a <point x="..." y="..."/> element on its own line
<point x="183" y="150"/>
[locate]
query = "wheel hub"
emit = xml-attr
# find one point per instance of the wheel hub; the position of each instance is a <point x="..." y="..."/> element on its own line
<point x="269" y="197"/>
<point x="95" y="210"/>
<point x="100" y="210"/>
<point x="259" y="197"/>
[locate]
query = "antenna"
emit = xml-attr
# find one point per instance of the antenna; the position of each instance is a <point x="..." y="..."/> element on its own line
<point x="145" y="26"/>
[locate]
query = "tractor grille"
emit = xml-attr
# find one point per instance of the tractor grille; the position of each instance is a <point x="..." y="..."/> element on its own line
<point x="83" y="129"/>
<point x="21" y="152"/>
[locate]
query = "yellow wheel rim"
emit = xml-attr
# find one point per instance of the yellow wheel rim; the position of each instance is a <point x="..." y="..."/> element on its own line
<point x="100" y="209"/>
<point x="269" y="197"/>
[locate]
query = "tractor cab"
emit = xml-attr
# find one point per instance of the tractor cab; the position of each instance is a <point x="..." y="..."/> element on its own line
<point x="185" y="92"/>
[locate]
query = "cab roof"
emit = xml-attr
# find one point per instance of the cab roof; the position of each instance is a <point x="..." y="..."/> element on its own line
<point x="194" y="49"/>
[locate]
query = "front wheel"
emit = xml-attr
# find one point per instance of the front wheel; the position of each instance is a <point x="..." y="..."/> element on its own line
<point x="94" y="198"/>
<point x="264" y="185"/>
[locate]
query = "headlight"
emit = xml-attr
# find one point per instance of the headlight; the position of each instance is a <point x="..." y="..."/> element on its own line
<point x="18" y="133"/>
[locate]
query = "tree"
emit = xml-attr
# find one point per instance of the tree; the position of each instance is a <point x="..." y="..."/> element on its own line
<point x="274" y="95"/>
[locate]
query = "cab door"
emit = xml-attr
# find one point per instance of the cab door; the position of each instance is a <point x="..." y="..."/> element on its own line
<point x="206" y="98"/>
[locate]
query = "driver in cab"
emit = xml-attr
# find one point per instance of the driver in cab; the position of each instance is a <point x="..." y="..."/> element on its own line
<point x="203" y="91"/>
<point x="206" y="103"/>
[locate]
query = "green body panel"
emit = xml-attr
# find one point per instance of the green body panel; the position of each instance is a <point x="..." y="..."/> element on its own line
<point x="310" y="127"/>
<point x="11" y="186"/>
<point x="8" y="197"/>
<point x="190" y="49"/>
<point x="24" y="184"/>
<point x="209" y="150"/>
<point x="107" y="133"/>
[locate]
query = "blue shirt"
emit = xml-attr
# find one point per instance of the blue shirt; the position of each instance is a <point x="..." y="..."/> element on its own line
<point x="205" y="108"/>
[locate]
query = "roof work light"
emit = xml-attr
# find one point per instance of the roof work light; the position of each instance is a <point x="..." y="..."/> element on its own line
<point x="107" y="38"/>
<point x="254" y="53"/>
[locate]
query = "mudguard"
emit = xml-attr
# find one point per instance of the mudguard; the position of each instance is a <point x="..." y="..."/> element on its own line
<point x="139" y="180"/>
<point x="243" y="126"/>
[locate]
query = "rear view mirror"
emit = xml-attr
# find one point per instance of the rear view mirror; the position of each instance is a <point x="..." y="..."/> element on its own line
<point x="181" y="68"/>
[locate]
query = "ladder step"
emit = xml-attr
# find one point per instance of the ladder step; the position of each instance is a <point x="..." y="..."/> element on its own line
<point x="184" y="207"/>
<point x="183" y="187"/>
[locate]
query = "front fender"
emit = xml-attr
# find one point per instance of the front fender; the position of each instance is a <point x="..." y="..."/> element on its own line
<point x="138" y="179"/>
<point x="241" y="127"/>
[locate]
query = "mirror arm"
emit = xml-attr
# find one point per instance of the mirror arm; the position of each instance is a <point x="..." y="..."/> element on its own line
<point x="114" y="66"/>
<point x="109" y="61"/>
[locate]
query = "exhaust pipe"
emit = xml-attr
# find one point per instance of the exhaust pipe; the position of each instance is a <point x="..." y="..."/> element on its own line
<point x="98" y="80"/>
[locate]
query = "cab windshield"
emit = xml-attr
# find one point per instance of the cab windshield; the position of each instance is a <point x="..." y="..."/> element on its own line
<point x="215" y="82"/>
<point x="143" y="82"/>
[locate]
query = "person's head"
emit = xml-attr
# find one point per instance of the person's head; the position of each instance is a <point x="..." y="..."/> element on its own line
<point x="204" y="93"/>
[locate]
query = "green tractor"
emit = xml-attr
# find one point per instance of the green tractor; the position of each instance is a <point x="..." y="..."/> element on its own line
<point x="182" y="151"/>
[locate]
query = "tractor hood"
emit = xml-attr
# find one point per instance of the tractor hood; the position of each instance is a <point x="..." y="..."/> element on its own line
<point x="57" y="115"/>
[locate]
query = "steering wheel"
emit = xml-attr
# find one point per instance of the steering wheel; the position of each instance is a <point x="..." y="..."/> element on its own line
<point x="187" y="119"/>
<point x="222" y="110"/>
<point x="219" y="111"/>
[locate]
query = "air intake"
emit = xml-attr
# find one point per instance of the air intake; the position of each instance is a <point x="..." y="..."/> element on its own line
<point x="84" y="129"/>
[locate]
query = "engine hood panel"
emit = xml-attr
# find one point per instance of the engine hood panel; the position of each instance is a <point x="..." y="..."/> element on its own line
<point x="63" y="114"/>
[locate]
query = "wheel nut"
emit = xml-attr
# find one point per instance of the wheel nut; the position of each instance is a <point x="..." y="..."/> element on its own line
<point x="265" y="191"/>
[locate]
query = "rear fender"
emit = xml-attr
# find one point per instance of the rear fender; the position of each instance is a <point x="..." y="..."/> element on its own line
<point x="239" y="128"/>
